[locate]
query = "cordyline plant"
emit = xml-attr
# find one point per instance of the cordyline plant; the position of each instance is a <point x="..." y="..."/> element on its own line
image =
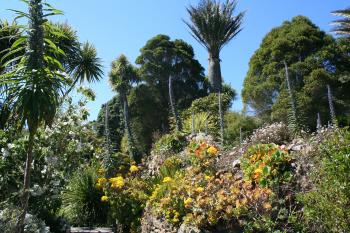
<point x="35" y="83"/>
<point x="121" y="77"/>
<point x="213" y="24"/>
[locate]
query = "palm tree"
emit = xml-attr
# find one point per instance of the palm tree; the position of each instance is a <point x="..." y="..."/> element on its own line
<point x="214" y="25"/>
<point x="342" y="26"/>
<point x="85" y="66"/>
<point x="35" y="84"/>
<point x="79" y="60"/>
<point x="121" y="77"/>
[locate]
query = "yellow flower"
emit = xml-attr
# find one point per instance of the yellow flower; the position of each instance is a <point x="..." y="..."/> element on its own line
<point x="199" y="190"/>
<point x="101" y="171"/>
<point x="133" y="168"/>
<point x="212" y="150"/>
<point x="167" y="179"/>
<point x="117" y="182"/>
<point x="101" y="180"/>
<point x="267" y="205"/>
<point x="104" y="198"/>
<point x="207" y="178"/>
<point x="188" y="202"/>
<point x="98" y="186"/>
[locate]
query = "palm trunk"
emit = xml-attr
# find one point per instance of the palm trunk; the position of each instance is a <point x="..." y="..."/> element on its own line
<point x="178" y="123"/>
<point x="131" y="143"/>
<point x="26" y="192"/>
<point x="214" y="74"/>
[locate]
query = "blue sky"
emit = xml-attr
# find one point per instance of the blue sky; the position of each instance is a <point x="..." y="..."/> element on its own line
<point x="124" y="26"/>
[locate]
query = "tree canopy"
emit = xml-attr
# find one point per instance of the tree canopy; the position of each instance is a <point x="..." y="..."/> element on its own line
<point x="314" y="59"/>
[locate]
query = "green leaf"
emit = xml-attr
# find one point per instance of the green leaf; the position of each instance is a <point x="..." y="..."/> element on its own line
<point x="266" y="170"/>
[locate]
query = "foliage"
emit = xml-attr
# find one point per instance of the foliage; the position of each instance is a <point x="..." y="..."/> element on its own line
<point x="267" y="165"/>
<point x="81" y="199"/>
<point x="200" y="122"/>
<point x="326" y="205"/>
<point x="342" y="26"/>
<point x="126" y="194"/>
<point x="202" y="196"/>
<point x="122" y="76"/>
<point x="59" y="151"/>
<point x="170" y="144"/>
<point x="115" y="122"/>
<point x="236" y="122"/>
<point x="314" y="60"/>
<point x="209" y="105"/>
<point x="8" y="219"/>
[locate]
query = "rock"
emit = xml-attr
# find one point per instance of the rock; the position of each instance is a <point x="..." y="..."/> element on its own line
<point x="188" y="229"/>
<point x="236" y="163"/>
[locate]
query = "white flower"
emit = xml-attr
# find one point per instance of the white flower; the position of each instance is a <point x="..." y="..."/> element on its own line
<point x="10" y="146"/>
<point x="5" y="152"/>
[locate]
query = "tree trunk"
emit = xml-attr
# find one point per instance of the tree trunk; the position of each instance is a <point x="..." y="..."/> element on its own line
<point x="214" y="74"/>
<point x="178" y="123"/>
<point x="26" y="192"/>
<point x="131" y="143"/>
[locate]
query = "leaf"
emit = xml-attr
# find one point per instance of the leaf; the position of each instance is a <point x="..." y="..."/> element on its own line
<point x="266" y="170"/>
<point x="18" y="42"/>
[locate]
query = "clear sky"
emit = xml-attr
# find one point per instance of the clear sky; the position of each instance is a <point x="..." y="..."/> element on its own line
<point x="124" y="26"/>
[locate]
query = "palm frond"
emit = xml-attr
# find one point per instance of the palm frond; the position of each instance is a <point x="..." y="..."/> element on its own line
<point x="213" y="24"/>
<point x="342" y="26"/>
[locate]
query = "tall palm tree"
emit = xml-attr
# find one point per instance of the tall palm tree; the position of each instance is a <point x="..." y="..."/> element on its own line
<point x="121" y="77"/>
<point x="342" y="26"/>
<point x="214" y="25"/>
<point x="35" y="84"/>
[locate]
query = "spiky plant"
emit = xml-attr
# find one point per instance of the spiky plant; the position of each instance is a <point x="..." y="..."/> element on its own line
<point x="35" y="83"/>
<point x="331" y="105"/>
<point x="342" y="26"/>
<point x="81" y="200"/>
<point x="293" y="116"/>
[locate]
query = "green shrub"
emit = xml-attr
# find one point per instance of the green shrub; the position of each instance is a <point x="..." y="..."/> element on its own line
<point x="327" y="204"/>
<point x="8" y="219"/>
<point x="267" y="165"/>
<point x="81" y="200"/>
<point x="234" y="122"/>
<point x="203" y="122"/>
<point x="170" y="144"/>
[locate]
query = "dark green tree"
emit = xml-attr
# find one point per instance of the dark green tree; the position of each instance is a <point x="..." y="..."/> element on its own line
<point x="121" y="77"/>
<point x="314" y="60"/>
<point x="115" y="122"/>
<point x="170" y="67"/>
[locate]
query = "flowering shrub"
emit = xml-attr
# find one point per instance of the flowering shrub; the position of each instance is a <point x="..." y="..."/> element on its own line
<point x="266" y="165"/>
<point x="203" y="196"/>
<point x="201" y="153"/>
<point x="126" y="194"/>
